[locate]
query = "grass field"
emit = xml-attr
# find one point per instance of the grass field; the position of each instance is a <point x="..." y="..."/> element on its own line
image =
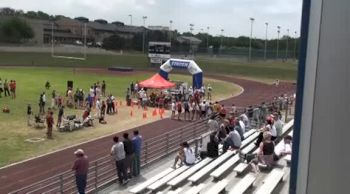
<point x="258" y="70"/>
<point x="30" y="82"/>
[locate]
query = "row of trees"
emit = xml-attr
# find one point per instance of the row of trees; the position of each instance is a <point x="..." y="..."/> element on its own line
<point x="15" y="30"/>
<point x="216" y="44"/>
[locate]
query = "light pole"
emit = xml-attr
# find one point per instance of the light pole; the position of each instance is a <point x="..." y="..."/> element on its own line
<point x="295" y="45"/>
<point x="143" y="34"/>
<point x="191" y="29"/>
<point x="278" y="38"/>
<point x="267" y="24"/>
<point x="171" y="22"/>
<point x="221" y="41"/>
<point x="287" y="44"/>
<point x="130" y="19"/>
<point x="208" y="39"/>
<point x="250" y="39"/>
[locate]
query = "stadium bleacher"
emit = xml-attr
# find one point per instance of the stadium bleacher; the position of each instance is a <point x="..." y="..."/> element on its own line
<point x="195" y="179"/>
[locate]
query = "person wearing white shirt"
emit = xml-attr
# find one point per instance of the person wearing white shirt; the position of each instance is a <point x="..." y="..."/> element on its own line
<point x="242" y="125"/>
<point x="285" y="149"/>
<point x="213" y="124"/>
<point x="209" y="89"/>
<point x="173" y="109"/>
<point x="245" y="119"/>
<point x="190" y="157"/>
<point x="98" y="107"/>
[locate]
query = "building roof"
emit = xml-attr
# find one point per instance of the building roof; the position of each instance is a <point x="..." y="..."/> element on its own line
<point x="188" y="39"/>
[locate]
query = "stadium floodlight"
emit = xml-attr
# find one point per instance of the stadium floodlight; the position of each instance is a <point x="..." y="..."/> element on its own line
<point x="143" y="34"/>
<point x="287" y="37"/>
<point x="170" y="26"/>
<point x="207" y="39"/>
<point x="221" y="41"/>
<point x="278" y="38"/>
<point x="295" y="45"/>
<point x="267" y="24"/>
<point x="250" y="39"/>
<point x="191" y="27"/>
<point x="130" y="15"/>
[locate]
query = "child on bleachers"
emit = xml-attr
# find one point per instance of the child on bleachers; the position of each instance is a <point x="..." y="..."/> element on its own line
<point x="185" y="154"/>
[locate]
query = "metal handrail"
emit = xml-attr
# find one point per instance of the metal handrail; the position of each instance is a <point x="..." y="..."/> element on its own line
<point x="167" y="142"/>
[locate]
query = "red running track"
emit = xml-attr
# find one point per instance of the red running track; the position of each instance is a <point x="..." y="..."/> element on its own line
<point x="28" y="172"/>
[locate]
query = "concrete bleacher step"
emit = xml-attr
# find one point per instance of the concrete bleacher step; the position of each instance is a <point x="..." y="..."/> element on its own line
<point x="224" y="167"/>
<point x="243" y="184"/>
<point x="140" y="187"/>
<point x="249" y="148"/>
<point x="232" y="161"/>
<point x="211" y="166"/>
<point x="159" y="183"/>
<point x="195" y="189"/>
<point x="241" y="167"/>
<point x="217" y="188"/>
<point x="249" y="133"/>
<point x="177" y="180"/>
<point x="270" y="182"/>
<point x="248" y="140"/>
<point x="177" y="191"/>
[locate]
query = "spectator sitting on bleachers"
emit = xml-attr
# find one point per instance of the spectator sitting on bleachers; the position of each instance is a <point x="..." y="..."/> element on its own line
<point x="284" y="150"/>
<point x="243" y="117"/>
<point x="221" y="133"/>
<point x="269" y="127"/>
<point x="239" y="129"/>
<point x="266" y="150"/>
<point x="233" y="141"/>
<point x="185" y="155"/>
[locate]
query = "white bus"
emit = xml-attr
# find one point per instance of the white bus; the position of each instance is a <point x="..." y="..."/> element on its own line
<point x="159" y="52"/>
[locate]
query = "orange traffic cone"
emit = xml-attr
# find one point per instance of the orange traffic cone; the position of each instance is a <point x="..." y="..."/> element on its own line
<point x="131" y="113"/>
<point x="154" y="112"/>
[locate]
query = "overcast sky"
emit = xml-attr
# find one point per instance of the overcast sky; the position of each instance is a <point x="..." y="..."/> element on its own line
<point x="230" y="15"/>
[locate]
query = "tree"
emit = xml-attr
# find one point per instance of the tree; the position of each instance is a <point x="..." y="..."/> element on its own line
<point x="6" y="11"/>
<point x="15" y="30"/>
<point x="114" y="42"/>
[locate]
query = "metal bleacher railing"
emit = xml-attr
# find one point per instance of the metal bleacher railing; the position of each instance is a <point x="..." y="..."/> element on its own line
<point x="102" y="171"/>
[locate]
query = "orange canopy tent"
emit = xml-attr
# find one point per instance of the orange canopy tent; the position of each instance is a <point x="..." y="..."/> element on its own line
<point x="157" y="82"/>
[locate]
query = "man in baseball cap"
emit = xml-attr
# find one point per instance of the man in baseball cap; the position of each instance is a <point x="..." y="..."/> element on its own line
<point x="81" y="167"/>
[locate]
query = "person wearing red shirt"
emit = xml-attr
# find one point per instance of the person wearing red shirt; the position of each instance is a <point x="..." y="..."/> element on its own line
<point x="81" y="167"/>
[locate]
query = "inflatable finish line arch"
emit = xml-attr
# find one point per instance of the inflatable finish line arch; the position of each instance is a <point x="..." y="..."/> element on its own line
<point x="190" y="65"/>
